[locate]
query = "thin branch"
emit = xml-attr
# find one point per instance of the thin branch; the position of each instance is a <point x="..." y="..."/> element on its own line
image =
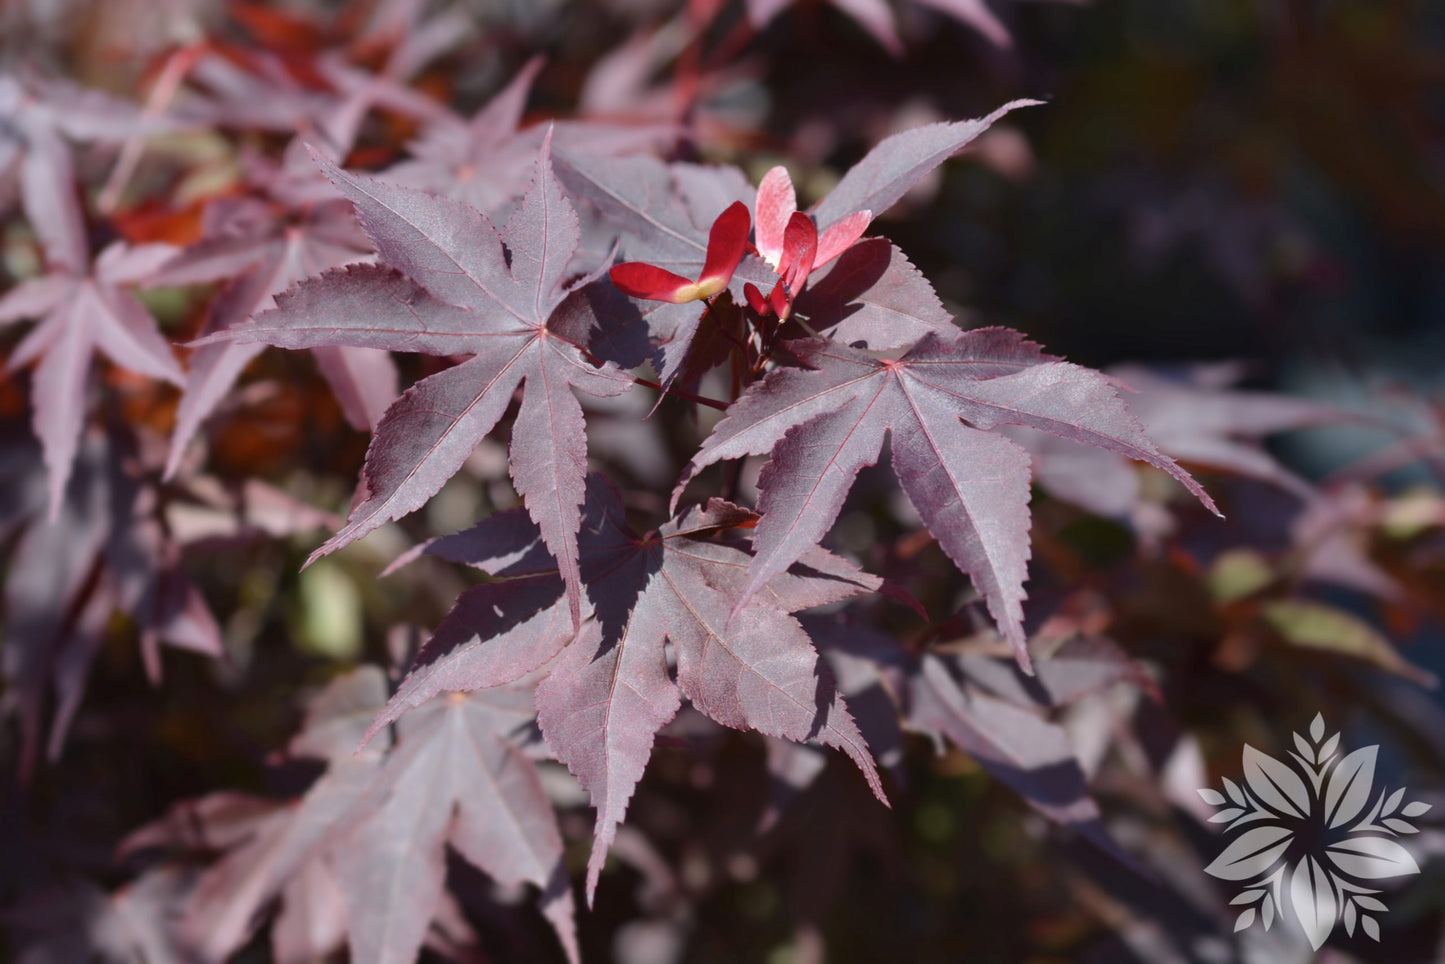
<point x="669" y="390"/>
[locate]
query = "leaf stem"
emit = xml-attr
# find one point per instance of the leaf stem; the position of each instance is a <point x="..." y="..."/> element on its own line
<point x="680" y="393"/>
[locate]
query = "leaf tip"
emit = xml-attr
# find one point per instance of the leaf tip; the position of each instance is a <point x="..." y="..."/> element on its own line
<point x="594" y="873"/>
<point x="383" y="720"/>
<point x="318" y="155"/>
<point x="1025" y="660"/>
<point x="322" y="552"/>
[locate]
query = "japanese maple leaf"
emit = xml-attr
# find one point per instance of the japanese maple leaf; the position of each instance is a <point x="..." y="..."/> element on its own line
<point x="253" y="90"/>
<point x="607" y="692"/>
<point x="1195" y="416"/>
<point x="83" y="309"/>
<point x="260" y="251"/>
<point x="117" y="547"/>
<point x="486" y="161"/>
<point x="1003" y="727"/>
<point x="40" y="118"/>
<point x="362" y="91"/>
<point x="1201" y="419"/>
<point x="453" y="288"/>
<point x="454" y="779"/>
<point x="868" y="289"/>
<point x="822" y="424"/>
<point x="363" y="851"/>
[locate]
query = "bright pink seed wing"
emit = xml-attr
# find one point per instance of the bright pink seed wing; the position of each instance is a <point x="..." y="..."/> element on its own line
<point x="755" y="298"/>
<point x="640" y="280"/>
<point x="840" y="236"/>
<point x="725" y="245"/>
<point x="800" y="249"/>
<point x="776" y="203"/>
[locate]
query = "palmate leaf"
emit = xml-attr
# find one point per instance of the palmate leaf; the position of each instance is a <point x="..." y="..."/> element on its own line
<point x="41" y="117"/>
<point x="117" y="546"/>
<point x="459" y="291"/>
<point x="603" y="699"/>
<point x="944" y="698"/>
<point x="899" y="162"/>
<point x="871" y="293"/>
<point x="363" y="850"/>
<point x="485" y="161"/>
<point x="453" y="779"/>
<point x="824" y="423"/>
<point x="252" y="247"/>
<point x="83" y="311"/>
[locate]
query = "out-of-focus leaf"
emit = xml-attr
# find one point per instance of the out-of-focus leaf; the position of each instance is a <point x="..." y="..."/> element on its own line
<point x="1318" y="626"/>
<point x="1238" y="574"/>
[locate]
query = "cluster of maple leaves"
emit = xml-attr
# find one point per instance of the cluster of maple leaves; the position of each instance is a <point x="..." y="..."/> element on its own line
<point x="550" y="268"/>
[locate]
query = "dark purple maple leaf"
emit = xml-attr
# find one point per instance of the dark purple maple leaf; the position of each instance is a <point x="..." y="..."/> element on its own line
<point x="606" y="692"/>
<point x="413" y="48"/>
<point x="486" y="161"/>
<point x="260" y="249"/>
<point x="868" y="289"/>
<point x="363" y="850"/>
<point x="938" y="401"/>
<point x="941" y="696"/>
<point x="83" y="310"/>
<point x="1195" y="415"/>
<point x="116" y="547"/>
<point x="1019" y="746"/>
<point x="40" y="117"/>
<point x="1200" y="418"/>
<point x="454" y="287"/>
<point x="454" y="779"/>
